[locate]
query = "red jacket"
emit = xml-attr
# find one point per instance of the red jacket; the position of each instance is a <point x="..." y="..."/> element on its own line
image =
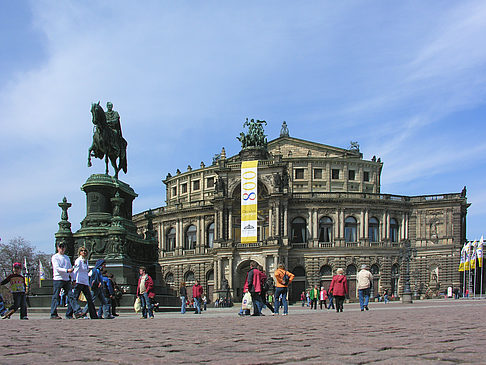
<point x="197" y="291"/>
<point x="339" y="285"/>
<point x="255" y="276"/>
<point x="149" y="286"/>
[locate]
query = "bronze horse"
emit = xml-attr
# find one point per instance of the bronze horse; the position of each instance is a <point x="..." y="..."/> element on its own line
<point x="106" y="143"/>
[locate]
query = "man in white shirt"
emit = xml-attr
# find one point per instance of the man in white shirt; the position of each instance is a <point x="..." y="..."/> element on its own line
<point x="61" y="279"/>
<point x="365" y="280"/>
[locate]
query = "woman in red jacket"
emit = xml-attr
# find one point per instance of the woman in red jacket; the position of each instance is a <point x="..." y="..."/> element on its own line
<point x="339" y="287"/>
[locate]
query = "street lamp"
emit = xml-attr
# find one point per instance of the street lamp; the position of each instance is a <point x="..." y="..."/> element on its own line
<point x="406" y="254"/>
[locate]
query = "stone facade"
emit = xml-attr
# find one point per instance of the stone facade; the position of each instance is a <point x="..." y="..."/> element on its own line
<point x="319" y="208"/>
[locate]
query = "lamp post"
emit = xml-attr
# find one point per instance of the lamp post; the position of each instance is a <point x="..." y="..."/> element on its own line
<point x="406" y="253"/>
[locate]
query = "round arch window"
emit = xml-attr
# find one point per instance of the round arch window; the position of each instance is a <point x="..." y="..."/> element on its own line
<point x="350" y="229"/>
<point x="299" y="230"/>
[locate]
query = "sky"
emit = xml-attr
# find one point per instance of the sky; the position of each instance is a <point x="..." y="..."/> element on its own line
<point x="407" y="80"/>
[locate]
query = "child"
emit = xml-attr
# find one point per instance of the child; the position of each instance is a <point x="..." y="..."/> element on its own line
<point x="17" y="287"/>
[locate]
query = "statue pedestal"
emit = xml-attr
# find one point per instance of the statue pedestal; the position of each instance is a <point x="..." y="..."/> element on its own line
<point x="254" y="153"/>
<point x="108" y="233"/>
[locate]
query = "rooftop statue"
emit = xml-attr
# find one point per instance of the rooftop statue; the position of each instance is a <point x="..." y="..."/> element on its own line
<point x="108" y="142"/>
<point x="255" y="136"/>
<point x="284" y="131"/>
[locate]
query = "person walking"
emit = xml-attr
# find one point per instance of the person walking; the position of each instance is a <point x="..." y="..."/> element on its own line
<point x="385" y="296"/>
<point x="197" y="292"/>
<point x="314" y="295"/>
<point x="81" y="279"/>
<point x="183" y="295"/>
<point x="267" y="284"/>
<point x="339" y="288"/>
<point x="331" y="299"/>
<point x="145" y="291"/>
<point x="17" y="288"/>
<point x="365" y="279"/>
<point x="283" y="279"/>
<point x="61" y="279"/>
<point x="253" y="285"/>
<point x="303" y="298"/>
<point x="322" y="298"/>
<point x="97" y="292"/>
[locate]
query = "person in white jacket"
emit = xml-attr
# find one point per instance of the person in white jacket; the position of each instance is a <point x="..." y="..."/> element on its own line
<point x="61" y="279"/>
<point x="365" y="279"/>
<point x="81" y="280"/>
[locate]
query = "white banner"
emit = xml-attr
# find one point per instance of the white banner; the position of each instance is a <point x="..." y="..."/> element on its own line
<point x="249" y="201"/>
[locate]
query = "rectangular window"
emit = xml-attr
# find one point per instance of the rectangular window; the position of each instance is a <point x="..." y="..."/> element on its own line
<point x="183" y="188"/>
<point x="195" y="185"/>
<point x="366" y="176"/>
<point x="351" y="174"/>
<point x="210" y="182"/>
<point x="317" y="173"/>
<point x="299" y="174"/>
<point x="174" y="191"/>
<point x="335" y="174"/>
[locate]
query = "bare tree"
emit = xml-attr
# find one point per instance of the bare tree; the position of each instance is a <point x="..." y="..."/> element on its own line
<point x="20" y="250"/>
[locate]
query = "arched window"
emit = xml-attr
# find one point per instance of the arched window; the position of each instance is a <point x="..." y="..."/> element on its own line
<point x="373" y="225"/>
<point x="375" y="270"/>
<point x="325" y="229"/>
<point x="326" y="270"/>
<point x="170" y="239"/>
<point x="393" y="230"/>
<point x="210" y="236"/>
<point x="299" y="230"/>
<point x="190" y="241"/>
<point x="169" y="279"/>
<point x="351" y="270"/>
<point x="189" y="278"/>
<point x="350" y="228"/>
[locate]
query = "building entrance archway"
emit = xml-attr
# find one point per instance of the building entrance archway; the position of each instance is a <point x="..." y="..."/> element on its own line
<point x="239" y="281"/>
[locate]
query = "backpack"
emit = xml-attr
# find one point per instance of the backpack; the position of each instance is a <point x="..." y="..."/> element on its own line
<point x="285" y="279"/>
<point x="268" y="284"/>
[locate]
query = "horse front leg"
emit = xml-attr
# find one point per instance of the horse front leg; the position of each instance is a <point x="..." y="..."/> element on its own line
<point x="89" y="156"/>
<point x="106" y="162"/>
<point x="115" y="167"/>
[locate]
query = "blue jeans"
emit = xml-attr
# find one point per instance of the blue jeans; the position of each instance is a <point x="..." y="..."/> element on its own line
<point x="183" y="305"/>
<point x="281" y="292"/>
<point x="146" y="305"/>
<point x="331" y="302"/>
<point x="104" y="307"/>
<point x="197" y="303"/>
<point x="385" y="297"/>
<point x="364" y="297"/>
<point x="56" y="286"/>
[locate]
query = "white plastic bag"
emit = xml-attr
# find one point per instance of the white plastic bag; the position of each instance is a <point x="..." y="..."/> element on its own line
<point x="247" y="303"/>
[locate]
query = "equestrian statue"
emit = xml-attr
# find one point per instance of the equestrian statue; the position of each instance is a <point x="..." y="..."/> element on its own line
<point x="108" y="141"/>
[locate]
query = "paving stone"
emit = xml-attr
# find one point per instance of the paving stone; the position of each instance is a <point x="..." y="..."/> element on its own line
<point x="427" y="332"/>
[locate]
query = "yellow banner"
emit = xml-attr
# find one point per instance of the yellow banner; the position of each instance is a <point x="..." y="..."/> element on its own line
<point x="249" y="201"/>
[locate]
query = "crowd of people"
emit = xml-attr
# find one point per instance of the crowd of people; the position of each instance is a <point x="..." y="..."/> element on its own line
<point x="260" y="290"/>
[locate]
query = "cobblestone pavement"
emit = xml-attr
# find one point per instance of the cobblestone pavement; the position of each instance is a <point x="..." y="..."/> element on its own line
<point x="425" y="332"/>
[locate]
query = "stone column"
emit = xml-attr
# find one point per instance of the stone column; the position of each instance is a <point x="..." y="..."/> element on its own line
<point x="278" y="220"/>
<point x="230" y="224"/>
<point x="200" y="236"/>
<point x="215" y="269"/>
<point x="285" y="222"/>
<point x="178" y="238"/>
<point x="270" y="222"/>
<point x="161" y="237"/>
<point x="366" y="222"/>
<point x="230" y="278"/>
<point x="220" y="272"/>
<point x="362" y="226"/>
<point x="387" y="225"/>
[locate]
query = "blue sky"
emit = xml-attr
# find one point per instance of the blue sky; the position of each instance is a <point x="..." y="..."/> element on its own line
<point x="405" y="79"/>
